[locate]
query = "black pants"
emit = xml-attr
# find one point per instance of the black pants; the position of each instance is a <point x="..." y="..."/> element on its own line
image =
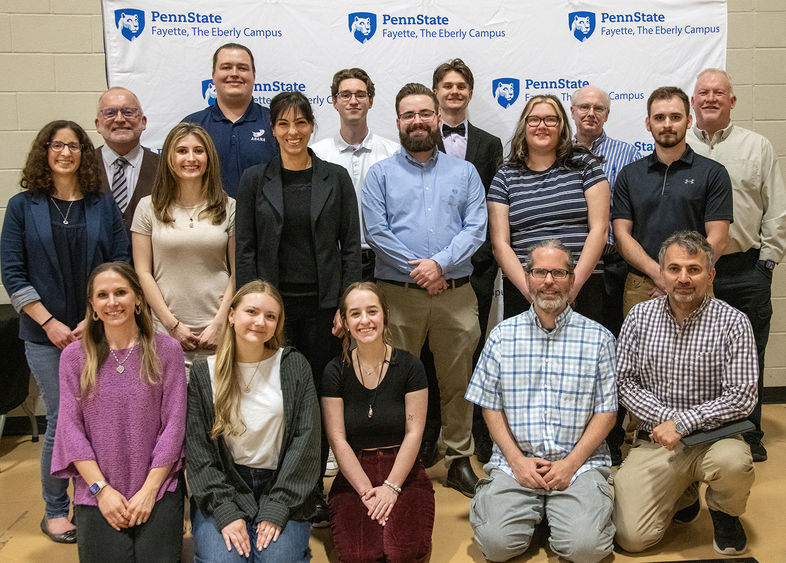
<point x="159" y="539"/>
<point x="744" y="283"/>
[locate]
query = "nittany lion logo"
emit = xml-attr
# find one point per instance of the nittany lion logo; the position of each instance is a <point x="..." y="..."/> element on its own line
<point x="209" y="92"/>
<point x="363" y="25"/>
<point x="130" y="22"/>
<point x="582" y="24"/>
<point x="506" y="91"/>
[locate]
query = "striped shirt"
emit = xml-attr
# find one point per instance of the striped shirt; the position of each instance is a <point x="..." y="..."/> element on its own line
<point x="547" y="204"/>
<point x="549" y="384"/>
<point x="705" y="371"/>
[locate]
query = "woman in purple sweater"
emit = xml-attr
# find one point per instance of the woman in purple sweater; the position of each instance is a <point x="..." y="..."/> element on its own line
<point x="122" y="426"/>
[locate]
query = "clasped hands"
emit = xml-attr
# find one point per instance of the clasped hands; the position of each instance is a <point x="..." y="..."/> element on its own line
<point x="539" y="473"/>
<point x="120" y="512"/>
<point x="428" y="275"/>
<point x="379" y="501"/>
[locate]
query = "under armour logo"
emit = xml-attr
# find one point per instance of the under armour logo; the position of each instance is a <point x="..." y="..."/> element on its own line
<point x="689" y="180"/>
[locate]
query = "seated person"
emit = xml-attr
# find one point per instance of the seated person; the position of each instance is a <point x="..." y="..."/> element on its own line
<point x="545" y="381"/>
<point x="687" y="362"/>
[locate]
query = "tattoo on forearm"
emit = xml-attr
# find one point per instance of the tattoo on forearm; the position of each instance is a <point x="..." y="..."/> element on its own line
<point x="410" y="417"/>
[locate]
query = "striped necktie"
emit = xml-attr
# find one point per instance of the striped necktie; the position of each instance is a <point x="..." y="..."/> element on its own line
<point x="119" y="184"/>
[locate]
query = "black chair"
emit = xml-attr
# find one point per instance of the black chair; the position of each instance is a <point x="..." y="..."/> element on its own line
<point x="14" y="373"/>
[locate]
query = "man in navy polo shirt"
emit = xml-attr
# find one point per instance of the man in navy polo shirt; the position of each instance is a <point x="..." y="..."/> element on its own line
<point x="240" y="128"/>
<point x="672" y="189"/>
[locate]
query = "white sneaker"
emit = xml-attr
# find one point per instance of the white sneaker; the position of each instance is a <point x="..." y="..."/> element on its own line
<point x="331" y="469"/>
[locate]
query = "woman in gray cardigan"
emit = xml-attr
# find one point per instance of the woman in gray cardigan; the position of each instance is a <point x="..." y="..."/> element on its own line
<point x="252" y="439"/>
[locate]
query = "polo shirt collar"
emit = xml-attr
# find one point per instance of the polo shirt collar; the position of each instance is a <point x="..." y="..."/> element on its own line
<point x="343" y="146"/>
<point x="686" y="158"/>
<point x="218" y="115"/>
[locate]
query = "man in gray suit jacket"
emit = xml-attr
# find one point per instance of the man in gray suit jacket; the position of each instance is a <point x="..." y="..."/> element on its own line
<point x="130" y="168"/>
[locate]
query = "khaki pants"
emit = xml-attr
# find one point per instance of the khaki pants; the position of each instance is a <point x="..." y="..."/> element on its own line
<point x="451" y="322"/>
<point x="654" y="483"/>
<point x="637" y="289"/>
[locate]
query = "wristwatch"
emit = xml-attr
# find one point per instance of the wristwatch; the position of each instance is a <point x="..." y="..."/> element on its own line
<point x="679" y="426"/>
<point x="96" y="487"/>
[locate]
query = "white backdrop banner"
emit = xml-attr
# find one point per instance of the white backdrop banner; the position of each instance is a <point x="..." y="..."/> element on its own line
<point x="162" y="50"/>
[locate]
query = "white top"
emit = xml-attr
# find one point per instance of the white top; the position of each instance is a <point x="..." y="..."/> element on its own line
<point x="357" y="160"/>
<point x="134" y="158"/>
<point x="262" y="411"/>
<point x="456" y="144"/>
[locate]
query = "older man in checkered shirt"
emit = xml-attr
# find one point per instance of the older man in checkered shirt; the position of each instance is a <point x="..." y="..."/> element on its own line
<point x="545" y="381"/>
<point x="686" y="362"/>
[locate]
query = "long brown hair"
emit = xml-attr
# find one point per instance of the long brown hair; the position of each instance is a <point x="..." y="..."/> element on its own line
<point x="37" y="176"/>
<point x="228" y="421"/>
<point x="346" y="342"/>
<point x="94" y="343"/>
<point x="165" y="186"/>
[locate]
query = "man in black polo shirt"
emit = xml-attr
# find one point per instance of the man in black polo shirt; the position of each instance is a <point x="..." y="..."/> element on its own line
<point x="670" y="190"/>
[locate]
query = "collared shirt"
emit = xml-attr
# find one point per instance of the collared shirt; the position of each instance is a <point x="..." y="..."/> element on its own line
<point x="412" y="210"/>
<point x="759" y="190"/>
<point x="661" y="199"/>
<point x="549" y="384"/>
<point x="456" y="144"/>
<point x="616" y="155"/>
<point x="356" y="159"/>
<point x="134" y="158"/>
<point x="704" y="371"/>
<point x="241" y="144"/>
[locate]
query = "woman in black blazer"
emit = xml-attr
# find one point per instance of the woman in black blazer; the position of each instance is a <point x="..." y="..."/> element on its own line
<point x="297" y="227"/>
<point x="54" y="233"/>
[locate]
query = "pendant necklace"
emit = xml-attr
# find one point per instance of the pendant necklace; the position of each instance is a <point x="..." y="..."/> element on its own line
<point x="373" y="400"/>
<point x="194" y="209"/>
<point x="120" y="368"/>
<point x="247" y="386"/>
<point x="65" y="217"/>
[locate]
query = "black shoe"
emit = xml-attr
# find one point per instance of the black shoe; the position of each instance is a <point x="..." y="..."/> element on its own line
<point x="689" y="514"/>
<point x="461" y="477"/>
<point x="65" y="537"/>
<point x="729" y="536"/>
<point x="321" y="516"/>
<point x="758" y="452"/>
<point x="616" y="456"/>
<point x="429" y="454"/>
<point x="483" y="449"/>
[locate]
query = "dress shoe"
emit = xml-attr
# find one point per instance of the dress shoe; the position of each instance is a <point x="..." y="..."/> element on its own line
<point x="429" y="454"/>
<point x="321" y="516"/>
<point x="64" y="537"/>
<point x="483" y="449"/>
<point x="461" y="477"/>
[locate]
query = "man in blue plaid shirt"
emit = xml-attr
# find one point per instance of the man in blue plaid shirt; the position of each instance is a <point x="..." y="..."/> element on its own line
<point x="545" y="381"/>
<point x="686" y="363"/>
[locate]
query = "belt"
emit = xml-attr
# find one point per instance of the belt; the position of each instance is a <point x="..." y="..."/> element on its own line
<point x="452" y="284"/>
<point x="367" y="255"/>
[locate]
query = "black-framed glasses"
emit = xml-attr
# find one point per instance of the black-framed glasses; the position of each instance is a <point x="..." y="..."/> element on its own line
<point x="426" y="115"/>
<point x="111" y="113"/>
<point x="549" y="120"/>
<point x="346" y="95"/>
<point x="556" y="273"/>
<point x="58" y="146"/>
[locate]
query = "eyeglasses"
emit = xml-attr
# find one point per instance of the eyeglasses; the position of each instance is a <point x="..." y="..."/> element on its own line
<point x="549" y="120"/>
<point x="111" y="113"/>
<point x="426" y="115"/>
<point x="556" y="273"/>
<point x="58" y="146"/>
<point x="586" y="108"/>
<point x="346" y="95"/>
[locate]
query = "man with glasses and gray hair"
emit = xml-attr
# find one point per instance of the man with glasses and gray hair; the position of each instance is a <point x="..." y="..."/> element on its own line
<point x="130" y="168"/>
<point x="424" y="214"/>
<point x="545" y="381"/>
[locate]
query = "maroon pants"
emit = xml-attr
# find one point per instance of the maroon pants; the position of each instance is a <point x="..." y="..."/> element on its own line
<point x="405" y="538"/>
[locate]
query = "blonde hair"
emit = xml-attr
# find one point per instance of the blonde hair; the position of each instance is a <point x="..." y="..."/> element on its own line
<point x="165" y="186"/>
<point x="94" y="342"/>
<point x="346" y="342"/>
<point x="228" y="421"/>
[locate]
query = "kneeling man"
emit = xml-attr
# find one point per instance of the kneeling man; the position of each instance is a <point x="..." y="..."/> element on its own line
<point x="686" y="363"/>
<point x="546" y="383"/>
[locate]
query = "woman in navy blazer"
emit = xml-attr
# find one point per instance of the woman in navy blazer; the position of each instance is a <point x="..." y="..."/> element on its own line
<point x="54" y="233"/>
<point x="297" y="227"/>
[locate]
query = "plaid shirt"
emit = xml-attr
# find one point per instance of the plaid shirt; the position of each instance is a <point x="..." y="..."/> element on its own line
<point x="548" y="383"/>
<point x="704" y="372"/>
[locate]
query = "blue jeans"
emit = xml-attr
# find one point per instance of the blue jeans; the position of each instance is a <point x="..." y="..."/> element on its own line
<point x="44" y="362"/>
<point x="291" y="546"/>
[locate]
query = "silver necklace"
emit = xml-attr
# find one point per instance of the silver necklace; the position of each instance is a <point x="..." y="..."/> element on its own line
<point x="65" y="217"/>
<point x="120" y="368"/>
<point x="381" y="364"/>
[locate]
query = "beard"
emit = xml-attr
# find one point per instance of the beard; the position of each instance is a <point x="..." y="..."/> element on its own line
<point x="672" y="140"/>
<point x="419" y="144"/>
<point x="550" y="304"/>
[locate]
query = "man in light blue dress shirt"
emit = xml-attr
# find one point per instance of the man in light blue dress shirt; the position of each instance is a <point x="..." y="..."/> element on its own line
<point x="424" y="215"/>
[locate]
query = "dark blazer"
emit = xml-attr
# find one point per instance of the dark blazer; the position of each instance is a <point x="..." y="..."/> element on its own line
<point x="484" y="150"/>
<point x="335" y="229"/>
<point x="29" y="260"/>
<point x="144" y="183"/>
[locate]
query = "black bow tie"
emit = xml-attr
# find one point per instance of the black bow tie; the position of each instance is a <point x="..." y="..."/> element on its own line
<point x="447" y="130"/>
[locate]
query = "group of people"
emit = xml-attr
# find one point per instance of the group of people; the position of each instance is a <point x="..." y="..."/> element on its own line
<point x="282" y="294"/>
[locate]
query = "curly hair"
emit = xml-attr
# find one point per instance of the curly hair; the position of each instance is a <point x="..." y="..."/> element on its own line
<point x="37" y="176"/>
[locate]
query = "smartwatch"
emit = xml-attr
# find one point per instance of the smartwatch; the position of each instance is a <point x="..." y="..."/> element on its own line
<point x="96" y="487"/>
<point x="679" y="426"/>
